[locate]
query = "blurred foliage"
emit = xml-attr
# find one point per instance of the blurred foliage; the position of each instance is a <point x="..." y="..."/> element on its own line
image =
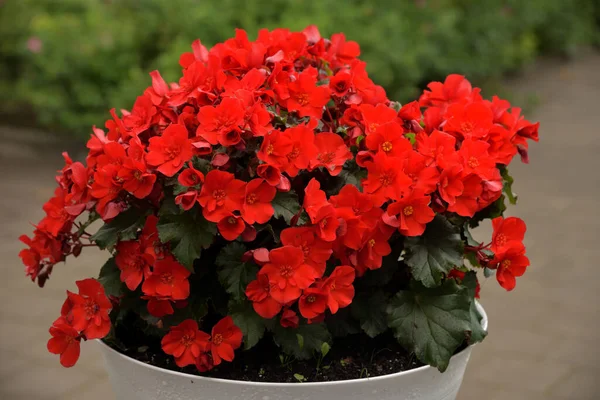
<point x="71" y="60"/>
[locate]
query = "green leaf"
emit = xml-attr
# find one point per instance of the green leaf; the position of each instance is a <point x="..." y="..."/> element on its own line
<point x="507" y="185"/>
<point x="477" y="333"/>
<point x="325" y="347"/>
<point x="169" y="207"/>
<point x="431" y="322"/>
<point x="188" y="234"/>
<point x="432" y="255"/>
<point x="235" y="274"/>
<point x="110" y="278"/>
<point x="341" y="324"/>
<point x="370" y="310"/>
<point x="313" y="337"/>
<point x="201" y="164"/>
<point x="122" y="227"/>
<point x="286" y="205"/>
<point x="251" y="324"/>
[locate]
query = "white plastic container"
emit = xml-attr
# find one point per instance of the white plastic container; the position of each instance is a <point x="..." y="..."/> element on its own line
<point x="134" y="380"/>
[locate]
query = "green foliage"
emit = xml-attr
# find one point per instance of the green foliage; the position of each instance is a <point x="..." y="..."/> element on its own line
<point x="477" y="333"/>
<point x="435" y="253"/>
<point x="286" y="205"/>
<point x="110" y="278"/>
<point x="235" y="274"/>
<point x="432" y="323"/>
<point x="96" y="54"/>
<point x="188" y="234"/>
<point x="252" y="325"/>
<point x="507" y="182"/>
<point x="370" y="310"/>
<point x="123" y="227"/>
<point x="303" y="342"/>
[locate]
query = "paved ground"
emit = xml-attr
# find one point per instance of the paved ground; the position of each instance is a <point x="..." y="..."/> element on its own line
<point x="544" y="336"/>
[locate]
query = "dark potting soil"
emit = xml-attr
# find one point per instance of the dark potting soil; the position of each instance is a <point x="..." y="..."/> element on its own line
<point x="353" y="357"/>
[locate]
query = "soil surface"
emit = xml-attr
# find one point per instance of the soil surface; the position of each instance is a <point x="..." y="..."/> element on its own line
<point x="353" y="357"/>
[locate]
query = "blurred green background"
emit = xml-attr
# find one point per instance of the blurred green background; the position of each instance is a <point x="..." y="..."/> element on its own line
<point x="64" y="63"/>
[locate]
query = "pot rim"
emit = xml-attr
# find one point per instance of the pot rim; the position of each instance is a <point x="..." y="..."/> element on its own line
<point x="484" y="323"/>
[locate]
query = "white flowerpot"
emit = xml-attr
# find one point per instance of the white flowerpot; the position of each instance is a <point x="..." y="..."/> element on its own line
<point x="132" y="380"/>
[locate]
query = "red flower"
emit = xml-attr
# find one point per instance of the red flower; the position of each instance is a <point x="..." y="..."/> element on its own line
<point x="231" y="227"/>
<point x="316" y="251"/>
<point x="185" y="342"/>
<point x="455" y="88"/>
<point x="303" y="149"/>
<point x="289" y="319"/>
<point x="170" y="151"/>
<point x="286" y="269"/>
<point x="471" y="121"/>
<point x="221" y="194"/>
<point x="476" y="160"/>
<point x="306" y="97"/>
<point x="414" y="213"/>
<point x="221" y="124"/>
<point x="439" y="148"/>
<point x="410" y="111"/>
<point x="466" y="204"/>
<point x="141" y="116"/>
<point x="314" y="198"/>
<point x="313" y="302"/>
<point x="133" y="262"/>
<point x="275" y="149"/>
<point x="226" y="338"/>
<point x="340" y="83"/>
<point x="332" y="153"/>
<point x="204" y="362"/>
<point x="90" y="309"/>
<point x="375" y="117"/>
<point x="65" y="341"/>
<point x="510" y="264"/>
<point x="134" y="174"/>
<point x="341" y="291"/>
<point x="190" y="176"/>
<point x="257" y="205"/>
<point x="187" y="200"/>
<point x="326" y="222"/>
<point x="259" y="293"/>
<point x="388" y="139"/>
<point x="451" y="185"/>
<point x="385" y="180"/>
<point x="57" y="217"/>
<point x="168" y="279"/>
<point x="375" y="248"/>
<point x="106" y="188"/>
<point x="508" y="232"/>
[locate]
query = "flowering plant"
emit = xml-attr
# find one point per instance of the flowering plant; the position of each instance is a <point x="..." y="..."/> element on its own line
<point x="276" y="189"/>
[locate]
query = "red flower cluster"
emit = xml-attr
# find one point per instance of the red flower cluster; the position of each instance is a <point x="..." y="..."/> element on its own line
<point x="83" y="316"/>
<point x="189" y="345"/>
<point x="250" y="122"/>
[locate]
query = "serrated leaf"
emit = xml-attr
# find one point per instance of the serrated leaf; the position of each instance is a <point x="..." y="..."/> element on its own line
<point x="234" y="273"/>
<point x="188" y="234"/>
<point x="431" y="322"/>
<point x="122" y="227"/>
<point x="313" y="337"/>
<point x="432" y="255"/>
<point x="251" y="324"/>
<point x="110" y="278"/>
<point x="477" y="333"/>
<point x="286" y="205"/>
<point x="370" y="310"/>
<point x="507" y="182"/>
<point x="201" y="164"/>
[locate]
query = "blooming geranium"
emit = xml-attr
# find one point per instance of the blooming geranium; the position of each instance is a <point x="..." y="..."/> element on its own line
<point x="274" y="185"/>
